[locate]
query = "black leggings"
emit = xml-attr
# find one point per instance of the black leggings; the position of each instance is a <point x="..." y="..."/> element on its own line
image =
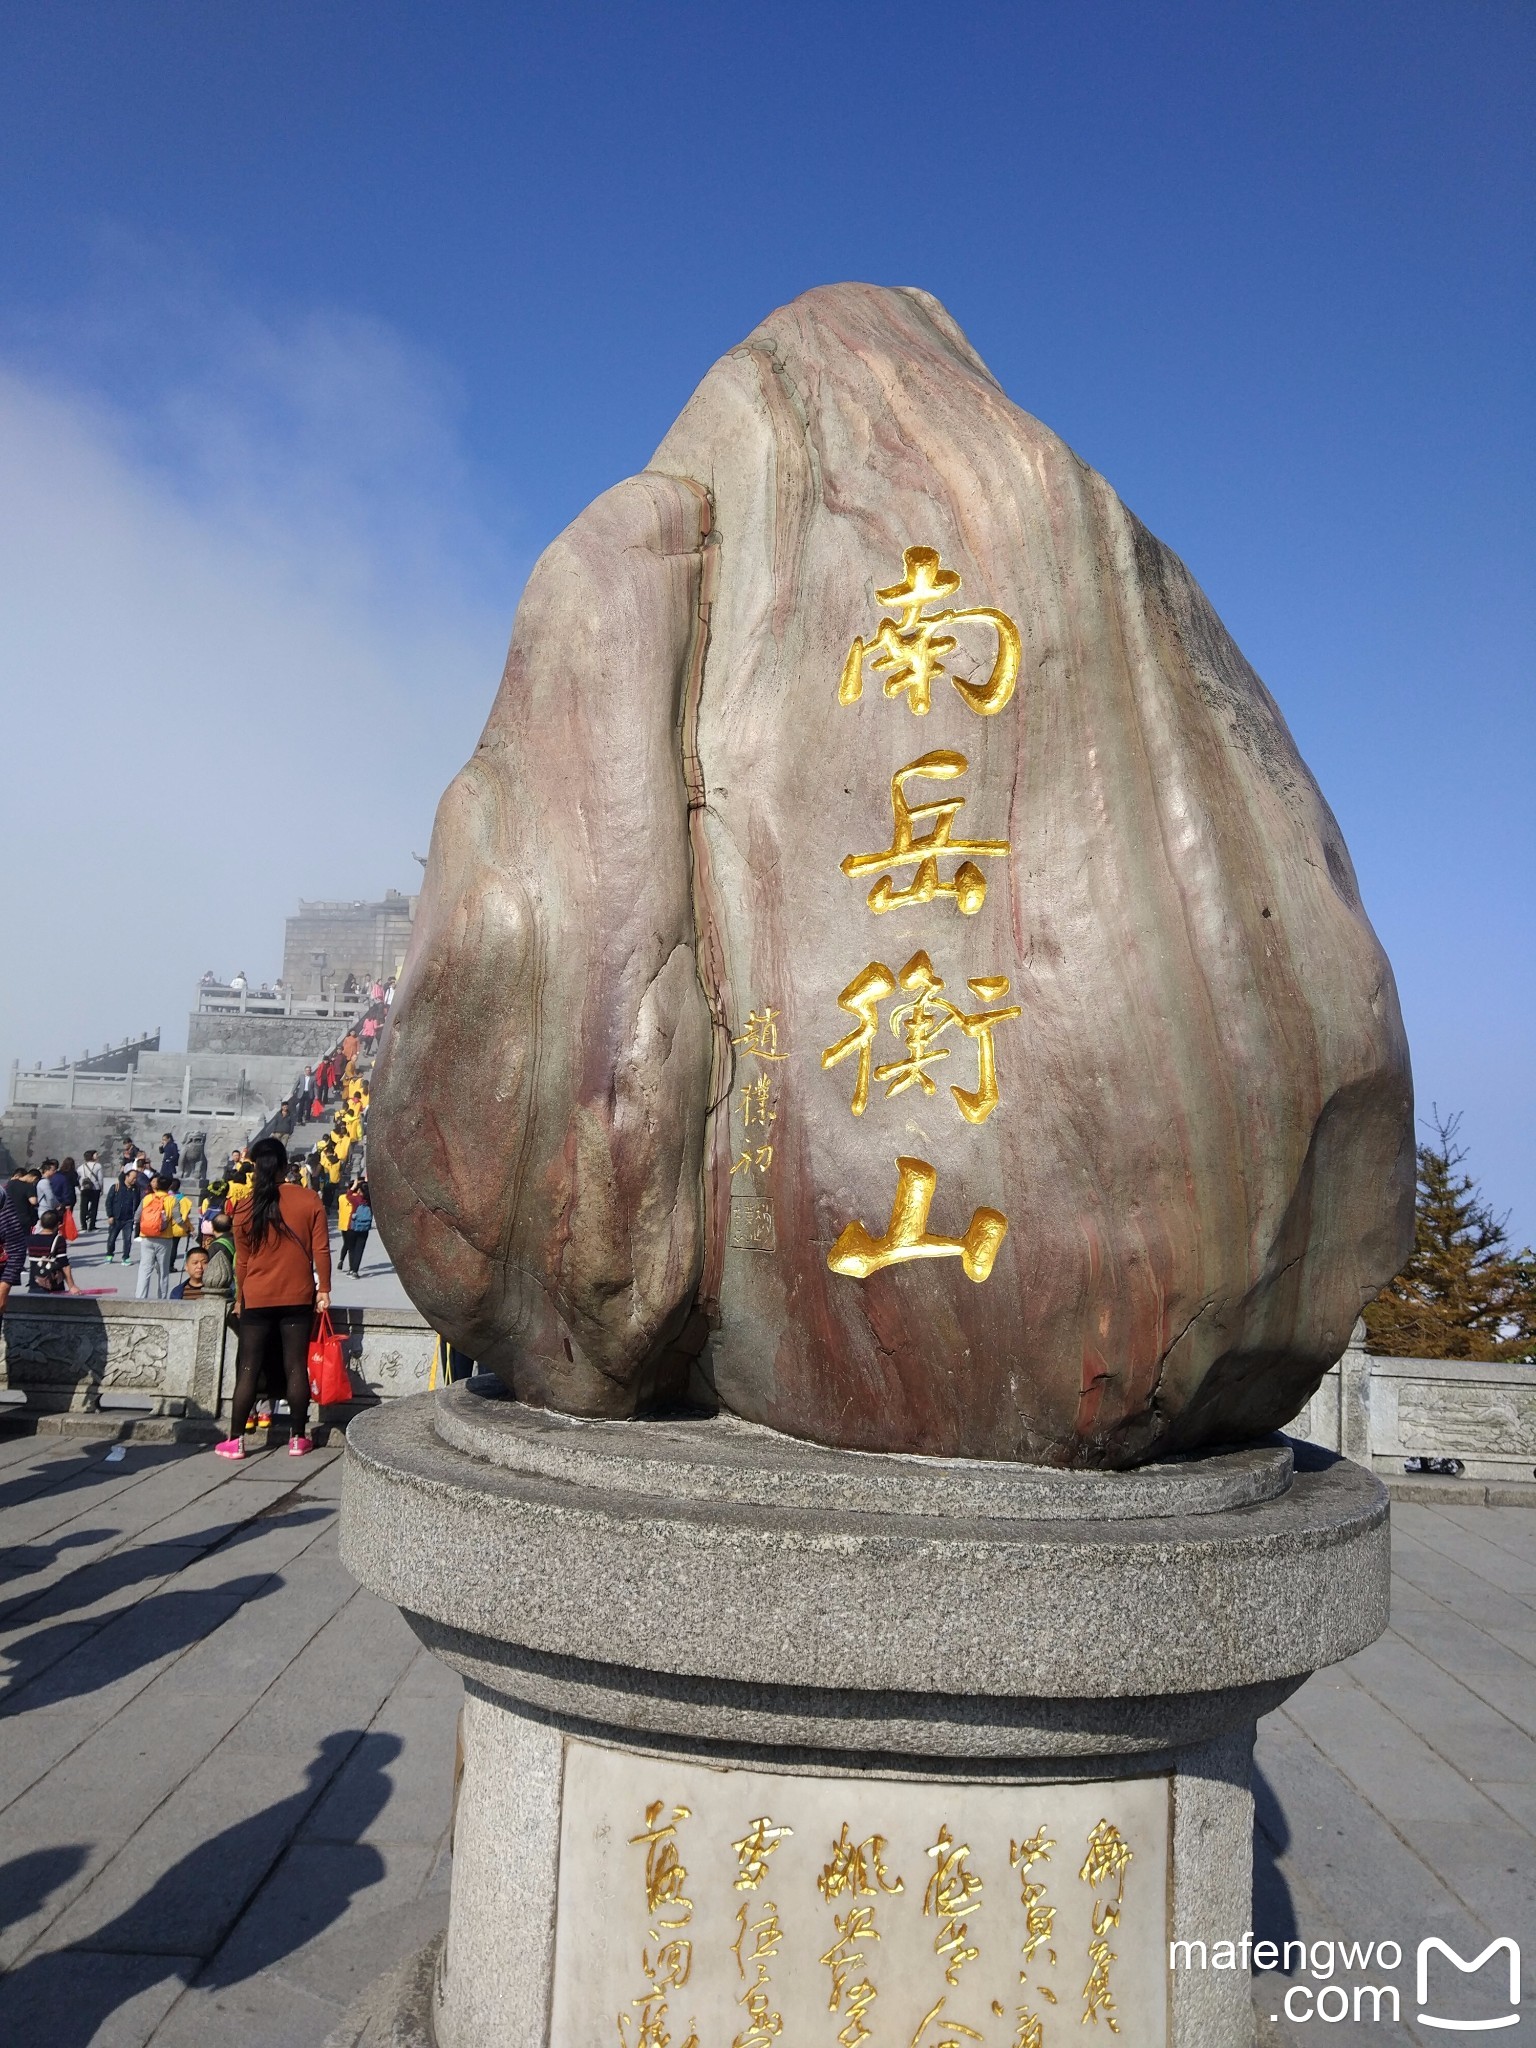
<point x="258" y="1327"/>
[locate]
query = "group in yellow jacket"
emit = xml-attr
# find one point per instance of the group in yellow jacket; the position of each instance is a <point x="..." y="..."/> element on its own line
<point x="319" y="1173"/>
<point x="346" y="1132"/>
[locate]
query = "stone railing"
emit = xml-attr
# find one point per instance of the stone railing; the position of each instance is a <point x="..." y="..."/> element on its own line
<point x="1384" y="1411"/>
<point x="68" y="1353"/>
<point x="245" y="1002"/>
<point x="184" y="1094"/>
<point x="72" y="1356"/>
<point x="78" y="1356"/>
<point x="389" y="1350"/>
<point x="112" y="1059"/>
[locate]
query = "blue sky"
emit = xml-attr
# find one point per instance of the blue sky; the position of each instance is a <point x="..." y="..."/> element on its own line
<point x="318" y="321"/>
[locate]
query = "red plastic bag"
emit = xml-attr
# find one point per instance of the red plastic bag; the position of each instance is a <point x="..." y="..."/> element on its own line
<point x="330" y="1383"/>
<point x="71" y="1227"/>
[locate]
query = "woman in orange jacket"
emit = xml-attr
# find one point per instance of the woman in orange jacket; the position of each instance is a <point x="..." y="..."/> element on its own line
<point x="282" y="1274"/>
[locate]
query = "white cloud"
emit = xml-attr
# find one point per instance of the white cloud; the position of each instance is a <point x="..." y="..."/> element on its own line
<point x="250" y="633"/>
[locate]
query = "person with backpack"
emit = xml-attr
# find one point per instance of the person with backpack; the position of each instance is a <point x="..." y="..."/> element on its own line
<point x="90" y="1190"/>
<point x="282" y="1275"/>
<point x="122" y="1201"/>
<point x="355" y="1226"/>
<point x="345" y="1203"/>
<point x="152" y="1221"/>
<point x="327" y="1174"/>
<point x="182" y="1221"/>
<point x="48" y="1267"/>
<point x="219" y="1273"/>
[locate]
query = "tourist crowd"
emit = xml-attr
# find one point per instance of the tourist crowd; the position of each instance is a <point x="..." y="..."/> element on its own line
<point x="149" y="1212"/>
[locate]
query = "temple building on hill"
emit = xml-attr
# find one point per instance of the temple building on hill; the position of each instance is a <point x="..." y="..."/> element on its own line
<point x="246" y="1049"/>
<point x="327" y="942"/>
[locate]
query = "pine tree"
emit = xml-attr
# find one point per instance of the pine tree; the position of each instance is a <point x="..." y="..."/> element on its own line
<point x="1463" y="1293"/>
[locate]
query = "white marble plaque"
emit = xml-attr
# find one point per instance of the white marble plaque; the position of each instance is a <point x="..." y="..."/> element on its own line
<point x="703" y="1908"/>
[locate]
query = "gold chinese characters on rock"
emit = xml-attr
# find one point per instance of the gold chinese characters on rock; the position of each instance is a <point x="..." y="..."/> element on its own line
<point x="919" y="1024"/>
<point x="923" y="851"/>
<point x="759" y="1936"/>
<point x="666" y="1960"/>
<point x="1109" y="1858"/>
<point x="906" y="652"/>
<point x="857" y="1883"/>
<point x="755" y="1111"/>
<point x="931" y="864"/>
<point x="1039" y="1930"/>
<point x="854" y="1877"/>
<point x="737" y="1908"/>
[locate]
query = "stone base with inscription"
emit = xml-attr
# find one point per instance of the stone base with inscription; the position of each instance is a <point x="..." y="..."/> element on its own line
<point x="768" y="1742"/>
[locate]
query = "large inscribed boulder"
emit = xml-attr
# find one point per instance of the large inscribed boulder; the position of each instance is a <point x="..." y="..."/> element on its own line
<point x="886" y="962"/>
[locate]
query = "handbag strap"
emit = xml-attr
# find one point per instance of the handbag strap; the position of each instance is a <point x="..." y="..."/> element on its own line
<point x="324" y="1327"/>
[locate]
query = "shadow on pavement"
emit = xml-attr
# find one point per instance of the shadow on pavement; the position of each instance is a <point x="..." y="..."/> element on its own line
<point x="158" y="1627"/>
<point x="136" y="1563"/>
<point x="29" y="1880"/>
<point x="85" y="1468"/>
<point x="52" y="1998"/>
<point x="1274" y="1912"/>
<point x="24" y="1559"/>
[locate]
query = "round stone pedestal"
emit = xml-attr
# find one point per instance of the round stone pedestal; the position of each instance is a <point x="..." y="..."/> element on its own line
<point x="764" y="1741"/>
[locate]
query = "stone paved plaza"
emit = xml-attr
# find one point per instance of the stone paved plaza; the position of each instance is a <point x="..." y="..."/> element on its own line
<point x="226" y="1769"/>
<point x="376" y="1286"/>
<point x="226" y="1772"/>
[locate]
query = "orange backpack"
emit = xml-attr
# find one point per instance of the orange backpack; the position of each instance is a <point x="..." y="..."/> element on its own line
<point x="154" y="1217"/>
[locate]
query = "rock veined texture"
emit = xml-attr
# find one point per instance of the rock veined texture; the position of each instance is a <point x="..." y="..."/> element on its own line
<point x="886" y="960"/>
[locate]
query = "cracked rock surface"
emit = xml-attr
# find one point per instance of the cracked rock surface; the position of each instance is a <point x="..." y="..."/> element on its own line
<point x="610" y="1155"/>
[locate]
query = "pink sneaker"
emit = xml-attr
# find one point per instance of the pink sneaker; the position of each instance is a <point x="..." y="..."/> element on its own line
<point x="299" y="1447"/>
<point x="230" y="1448"/>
